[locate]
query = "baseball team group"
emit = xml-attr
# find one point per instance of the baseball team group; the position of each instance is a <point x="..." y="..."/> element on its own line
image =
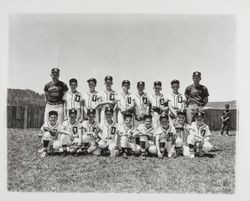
<point x="108" y="123"/>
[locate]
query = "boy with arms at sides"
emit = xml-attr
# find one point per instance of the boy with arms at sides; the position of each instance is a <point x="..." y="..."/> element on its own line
<point x="175" y="101"/>
<point x="182" y="132"/>
<point x="164" y="138"/>
<point x="159" y="103"/>
<point x="108" y="134"/>
<point x="125" y="102"/>
<point x="198" y="139"/>
<point x="107" y="98"/>
<point x="145" y="132"/>
<point x="126" y="131"/>
<point x="50" y="134"/>
<point x="73" y="99"/>
<point x="225" y="117"/>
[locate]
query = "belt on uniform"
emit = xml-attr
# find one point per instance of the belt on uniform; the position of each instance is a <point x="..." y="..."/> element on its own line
<point x="58" y="103"/>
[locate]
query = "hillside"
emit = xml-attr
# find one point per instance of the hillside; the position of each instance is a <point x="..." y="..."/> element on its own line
<point x="24" y="97"/>
<point x="221" y="105"/>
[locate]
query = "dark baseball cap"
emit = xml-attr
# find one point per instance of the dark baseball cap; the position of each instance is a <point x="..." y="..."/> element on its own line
<point x="127" y="114"/>
<point x="90" y="111"/>
<point x="53" y="112"/>
<point x="55" y="70"/>
<point x="227" y="105"/>
<point x="92" y="79"/>
<point x="197" y="73"/>
<point x="157" y="83"/>
<point x="125" y="82"/>
<point x="181" y="112"/>
<point x="109" y="109"/>
<point x="164" y="115"/>
<point x="72" y="111"/>
<point x="175" y="82"/>
<point x="140" y="83"/>
<point x="147" y="116"/>
<point x="108" y="77"/>
<point x="199" y="114"/>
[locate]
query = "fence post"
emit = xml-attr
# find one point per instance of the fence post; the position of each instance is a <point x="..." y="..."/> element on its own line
<point x="25" y="122"/>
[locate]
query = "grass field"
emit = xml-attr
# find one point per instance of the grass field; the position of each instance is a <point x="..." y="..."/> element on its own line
<point x="28" y="172"/>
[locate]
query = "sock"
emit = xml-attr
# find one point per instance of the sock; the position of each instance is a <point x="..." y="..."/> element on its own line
<point x="45" y="144"/>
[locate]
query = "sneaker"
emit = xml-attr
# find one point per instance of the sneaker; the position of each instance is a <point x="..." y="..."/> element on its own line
<point x="41" y="150"/>
<point x="191" y="155"/>
<point x="60" y="150"/>
<point x="143" y="156"/>
<point x="44" y="154"/>
<point x="124" y="155"/>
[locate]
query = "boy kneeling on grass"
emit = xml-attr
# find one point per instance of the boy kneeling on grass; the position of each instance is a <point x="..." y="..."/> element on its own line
<point x="52" y="135"/>
<point x="145" y="132"/>
<point x="182" y="132"/>
<point x="108" y="134"/>
<point x="198" y="139"/>
<point x="88" y="139"/>
<point x="126" y="136"/>
<point x="164" y="138"/>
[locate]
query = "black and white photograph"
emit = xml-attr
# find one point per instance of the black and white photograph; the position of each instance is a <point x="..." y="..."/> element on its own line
<point x="102" y="102"/>
<point x="121" y="103"/>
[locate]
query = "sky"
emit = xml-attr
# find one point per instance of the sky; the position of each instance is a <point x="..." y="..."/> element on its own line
<point x="126" y="46"/>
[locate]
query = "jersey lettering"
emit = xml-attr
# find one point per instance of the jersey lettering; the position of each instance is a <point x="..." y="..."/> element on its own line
<point x="203" y="132"/>
<point x="129" y="100"/>
<point x="94" y="98"/>
<point x="180" y="99"/>
<point x="111" y="97"/>
<point x="74" y="130"/>
<point x="162" y="101"/>
<point x="113" y="129"/>
<point x="145" y="100"/>
<point x="77" y="98"/>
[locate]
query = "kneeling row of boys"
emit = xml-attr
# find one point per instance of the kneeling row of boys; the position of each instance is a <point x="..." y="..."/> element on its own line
<point x="108" y="138"/>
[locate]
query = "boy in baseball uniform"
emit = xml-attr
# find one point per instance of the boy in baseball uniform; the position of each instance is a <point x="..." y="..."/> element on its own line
<point x="89" y="138"/>
<point x="91" y="98"/>
<point x="159" y="103"/>
<point x="164" y="138"/>
<point x="107" y="98"/>
<point x="108" y="134"/>
<point x="73" y="99"/>
<point x="126" y="136"/>
<point x="175" y="101"/>
<point x="125" y="101"/>
<point x="182" y="132"/>
<point x="145" y="132"/>
<point x="142" y="103"/>
<point x="198" y="139"/>
<point x="73" y="127"/>
<point x="50" y="134"/>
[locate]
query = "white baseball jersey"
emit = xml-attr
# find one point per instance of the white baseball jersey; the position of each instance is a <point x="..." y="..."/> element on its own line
<point x="106" y="95"/>
<point x="141" y="103"/>
<point x="72" y="128"/>
<point x="158" y="101"/>
<point x="87" y="127"/>
<point x="73" y="100"/>
<point x="176" y="101"/>
<point x="124" y="129"/>
<point x="142" y="129"/>
<point x="124" y="101"/>
<point x="108" y="131"/>
<point x="164" y="134"/>
<point x="47" y="127"/>
<point x="91" y="99"/>
<point x="202" y="131"/>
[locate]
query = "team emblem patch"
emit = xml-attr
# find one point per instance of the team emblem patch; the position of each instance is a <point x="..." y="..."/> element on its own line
<point x="162" y="101"/>
<point x="129" y="100"/>
<point x="77" y="98"/>
<point x="113" y="129"/>
<point x="145" y="100"/>
<point x="94" y="97"/>
<point x="74" y="130"/>
<point x="180" y="99"/>
<point x="111" y="97"/>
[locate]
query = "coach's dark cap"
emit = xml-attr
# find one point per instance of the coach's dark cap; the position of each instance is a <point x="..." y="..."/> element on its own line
<point x="125" y="82"/>
<point x="109" y="109"/>
<point x="127" y="114"/>
<point x="157" y="83"/>
<point x="197" y="73"/>
<point x="90" y="111"/>
<point x="164" y="115"/>
<point x="199" y="114"/>
<point x="72" y="111"/>
<point x="55" y="70"/>
<point x="147" y="116"/>
<point x="140" y="83"/>
<point x="108" y="77"/>
<point x="227" y="105"/>
<point x="92" y="79"/>
<point x="175" y="82"/>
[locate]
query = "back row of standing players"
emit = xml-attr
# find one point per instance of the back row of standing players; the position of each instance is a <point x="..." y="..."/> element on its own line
<point x="126" y="109"/>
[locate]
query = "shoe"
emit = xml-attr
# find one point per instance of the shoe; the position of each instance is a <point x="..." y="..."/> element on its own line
<point x="124" y="155"/>
<point x="64" y="154"/>
<point x="60" y="150"/>
<point x="143" y="156"/>
<point x="44" y="154"/>
<point x="191" y="155"/>
<point x="40" y="150"/>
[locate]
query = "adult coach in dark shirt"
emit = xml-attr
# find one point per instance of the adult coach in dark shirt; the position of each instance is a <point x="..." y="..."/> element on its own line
<point x="54" y="91"/>
<point x="196" y="96"/>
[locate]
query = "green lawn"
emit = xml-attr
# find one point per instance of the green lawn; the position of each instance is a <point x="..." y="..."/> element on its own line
<point x="28" y="172"/>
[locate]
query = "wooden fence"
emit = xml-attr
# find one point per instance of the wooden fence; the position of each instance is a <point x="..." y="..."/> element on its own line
<point x="32" y="117"/>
